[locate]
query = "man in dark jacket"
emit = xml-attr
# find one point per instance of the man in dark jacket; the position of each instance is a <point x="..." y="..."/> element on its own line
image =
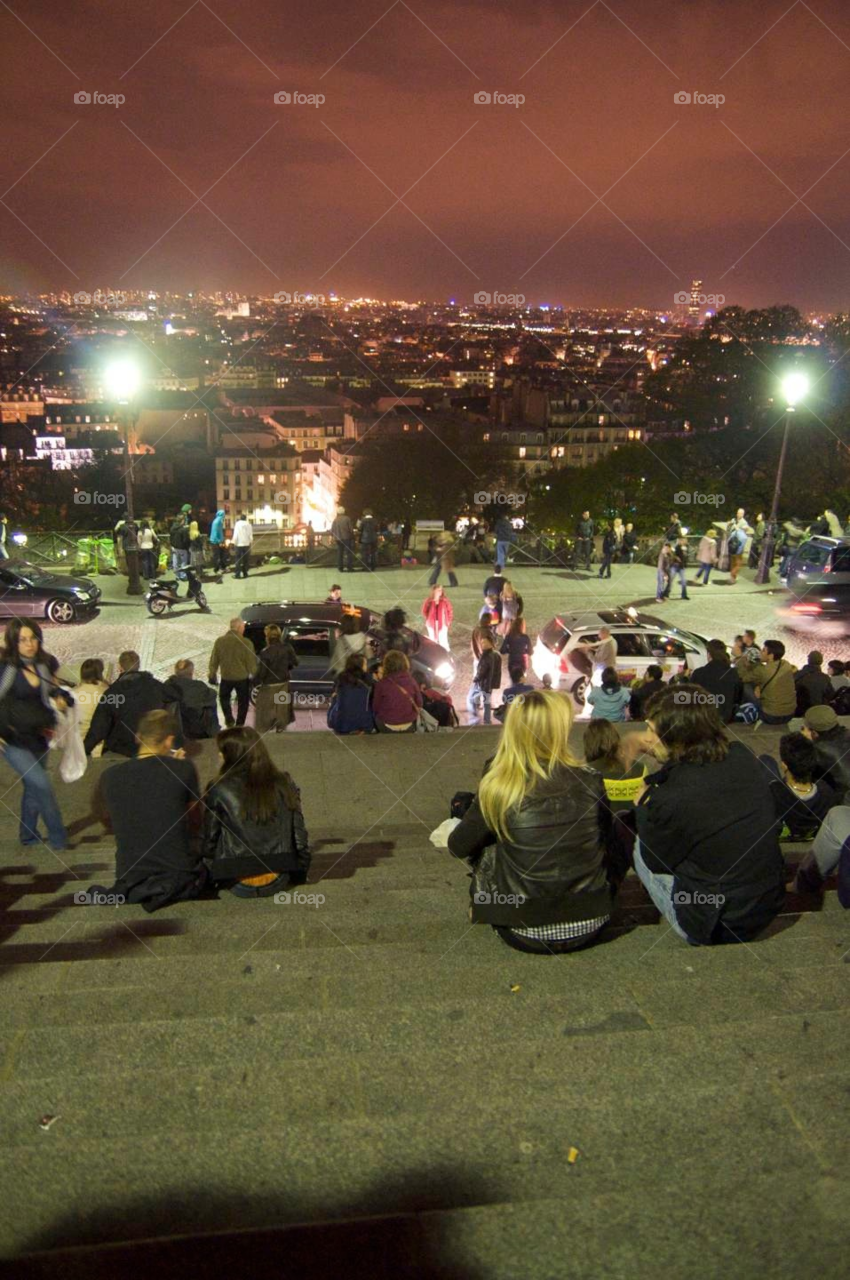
<point x="654" y="683"/>
<point x="197" y="701"/>
<point x="814" y="687"/>
<point x="369" y="541"/>
<point x="120" y="709"/>
<point x="496" y="581"/>
<point x="630" y="544"/>
<point x="148" y="803"/>
<point x="342" y="532"/>
<point x="236" y="658"/>
<point x="708" y="848"/>
<point x="488" y="676"/>
<point x="505" y="537"/>
<point x="720" y="681"/>
<point x="585" y="530"/>
<point x="609" y="548"/>
<point x="179" y="535"/>
<point x="832" y="744"/>
<point x="674" y="530"/>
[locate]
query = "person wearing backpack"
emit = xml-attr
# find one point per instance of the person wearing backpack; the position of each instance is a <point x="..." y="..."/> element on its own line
<point x="738" y="533"/>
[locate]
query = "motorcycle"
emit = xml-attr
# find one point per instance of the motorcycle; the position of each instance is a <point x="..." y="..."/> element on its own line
<point x="164" y="592"/>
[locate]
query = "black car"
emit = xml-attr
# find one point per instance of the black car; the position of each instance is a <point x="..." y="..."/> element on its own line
<point x="29" y="592"/>
<point x="311" y="628"/>
<point x="818" y="609"/>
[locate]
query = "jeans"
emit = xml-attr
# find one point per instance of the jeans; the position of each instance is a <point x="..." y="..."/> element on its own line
<point x="219" y="556"/>
<point x="584" y="550"/>
<point x="240" y="569"/>
<point x="38" y="799"/>
<point x="478" y="696"/>
<point x="703" y="571"/>
<point x="148" y="563"/>
<point x="661" y="584"/>
<point x="435" y="573"/>
<point x="369" y="555"/>
<point x="179" y="560"/>
<point x="605" y="567"/>
<point x="225" y="697"/>
<point x="344" y="551"/>
<point x="766" y="719"/>
<point x="683" y="582"/>
<point x="660" y="889"/>
<point x="822" y="858"/>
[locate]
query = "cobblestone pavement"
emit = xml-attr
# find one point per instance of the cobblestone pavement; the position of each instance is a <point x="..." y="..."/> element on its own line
<point x="721" y="609"/>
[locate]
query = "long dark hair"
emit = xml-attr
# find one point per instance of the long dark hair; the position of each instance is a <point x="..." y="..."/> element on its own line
<point x="247" y="760"/>
<point x="601" y="744"/>
<point x="688" y="725"/>
<point x="11" y="652"/>
<point x="610" y="680"/>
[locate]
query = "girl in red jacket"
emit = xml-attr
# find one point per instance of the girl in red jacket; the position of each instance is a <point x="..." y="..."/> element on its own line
<point x="438" y="613"/>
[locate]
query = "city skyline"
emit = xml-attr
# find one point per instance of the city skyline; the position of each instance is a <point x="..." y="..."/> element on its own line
<point x="599" y="190"/>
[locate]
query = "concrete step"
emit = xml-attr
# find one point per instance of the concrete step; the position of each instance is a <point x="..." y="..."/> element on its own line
<point x="492" y="1151"/>
<point x="576" y="1237"/>
<point x="177" y="989"/>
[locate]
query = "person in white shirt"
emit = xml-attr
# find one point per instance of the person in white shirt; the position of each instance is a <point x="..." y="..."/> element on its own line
<point x="243" y="536"/>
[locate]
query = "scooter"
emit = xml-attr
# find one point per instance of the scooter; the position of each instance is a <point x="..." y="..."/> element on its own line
<point x="164" y="592"/>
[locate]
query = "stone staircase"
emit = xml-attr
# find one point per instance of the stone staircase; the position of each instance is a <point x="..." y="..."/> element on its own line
<point x="371" y="1086"/>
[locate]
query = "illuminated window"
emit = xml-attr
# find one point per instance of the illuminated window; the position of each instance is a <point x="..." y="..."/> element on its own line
<point x="522" y="451"/>
<point x="261" y="479"/>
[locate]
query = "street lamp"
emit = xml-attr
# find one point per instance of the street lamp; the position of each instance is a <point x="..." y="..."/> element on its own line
<point x="122" y="379"/>
<point x="794" y="388"/>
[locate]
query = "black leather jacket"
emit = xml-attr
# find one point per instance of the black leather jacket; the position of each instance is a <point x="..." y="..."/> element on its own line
<point x="833" y="760"/>
<point x="236" y="847"/>
<point x="553" y="867"/>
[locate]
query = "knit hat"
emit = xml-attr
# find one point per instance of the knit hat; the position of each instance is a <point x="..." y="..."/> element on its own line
<point x="821" y="719"/>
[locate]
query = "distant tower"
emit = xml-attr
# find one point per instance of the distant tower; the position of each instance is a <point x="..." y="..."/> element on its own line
<point x="693" y="309"/>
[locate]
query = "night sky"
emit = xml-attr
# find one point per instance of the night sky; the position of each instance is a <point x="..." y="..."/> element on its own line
<point x="501" y="183"/>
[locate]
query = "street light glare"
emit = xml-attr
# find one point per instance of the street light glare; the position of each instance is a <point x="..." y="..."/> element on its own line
<point x="122" y="378"/>
<point x="794" y="387"/>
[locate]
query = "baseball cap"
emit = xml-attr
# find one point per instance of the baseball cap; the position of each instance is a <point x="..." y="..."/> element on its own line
<point x="821" y="719"/>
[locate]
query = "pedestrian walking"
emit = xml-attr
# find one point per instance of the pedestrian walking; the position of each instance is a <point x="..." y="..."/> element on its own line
<point x="488" y="676"/>
<point x="243" y="537"/>
<point x="30" y="700"/>
<point x="438" y="614"/>
<point x="219" y="550"/>
<point x="368" y="532"/>
<point x="274" y="709"/>
<point x="516" y="645"/>
<point x="678" y="568"/>
<point x="707" y="557"/>
<point x="662" y="580"/>
<point x="738" y="534"/>
<point x="585" y="531"/>
<point x="510" y="608"/>
<point x="342" y="532"/>
<point x="196" y="546"/>
<point x="445" y="560"/>
<point x="505" y="538"/>
<point x="235" y="658"/>
<point x="609" y="550"/>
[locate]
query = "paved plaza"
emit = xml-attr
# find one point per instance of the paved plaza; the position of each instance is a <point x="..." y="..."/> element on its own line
<point x="372" y="1086"/>
<point x="721" y="610"/>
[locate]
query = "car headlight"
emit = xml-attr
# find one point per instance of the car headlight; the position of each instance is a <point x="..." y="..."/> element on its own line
<point x="444" y="671"/>
<point x="82" y="595"/>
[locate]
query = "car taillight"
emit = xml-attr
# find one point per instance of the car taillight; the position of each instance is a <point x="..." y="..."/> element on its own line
<point x="806" y="608"/>
<point x="827" y="568"/>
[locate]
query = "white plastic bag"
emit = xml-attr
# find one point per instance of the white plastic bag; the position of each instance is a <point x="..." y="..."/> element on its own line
<point x="69" y="741"/>
<point x="440" y="835"/>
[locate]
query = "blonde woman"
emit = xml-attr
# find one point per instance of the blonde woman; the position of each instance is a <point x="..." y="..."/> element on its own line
<point x="538" y="834"/>
<point x="511" y="608"/>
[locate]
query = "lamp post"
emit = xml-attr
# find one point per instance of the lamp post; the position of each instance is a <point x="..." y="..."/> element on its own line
<point x="794" y="388"/>
<point x="122" y="378"/>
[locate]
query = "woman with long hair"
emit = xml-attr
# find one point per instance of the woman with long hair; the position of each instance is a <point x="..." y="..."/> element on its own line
<point x="610" y="700"/>
<point x="88" y="693"/>
<point x="397" y="699"/>
<point x="351" y="707"/>
<point x="438" y="614"/>
<point x="708" y="848"/>
<point x="29" y="701"/>
<point x="254" y="833"/>
<point x="517" y="645"/>
<point x="349" y="640"/>
<point x="537" y="834"/>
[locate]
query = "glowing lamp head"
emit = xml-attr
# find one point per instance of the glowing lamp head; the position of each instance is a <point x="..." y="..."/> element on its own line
<point x="794" y="387"/>
<point x="122" y="379"/>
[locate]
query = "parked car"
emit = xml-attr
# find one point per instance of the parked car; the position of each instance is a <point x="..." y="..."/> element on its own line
<point x="29" y="592"/>
<point x="817" y="558"/>
<point x="310" y="629"/>
<point x="819" y="609"/>
<point x="641" y="640"/>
